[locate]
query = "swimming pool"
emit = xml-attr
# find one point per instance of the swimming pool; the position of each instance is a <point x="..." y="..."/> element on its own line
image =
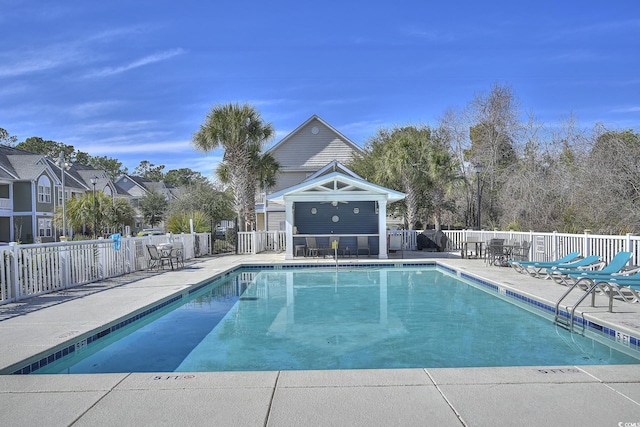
<point x="328" y="319"/>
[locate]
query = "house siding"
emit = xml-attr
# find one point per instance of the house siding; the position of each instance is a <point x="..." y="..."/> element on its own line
<point x="312" y="152"/>
<point x="22" y="197"/>
<point x="289" y="179"/>
<point x="302" y="153"/>
<point x="274" y="220"/>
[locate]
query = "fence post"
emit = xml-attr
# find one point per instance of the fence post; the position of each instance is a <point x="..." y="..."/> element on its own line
<point x="15" y="273"/>
<point x="254" y="241"/>
<point x="629" y="248"/>
<point x="586" y="242"/>
<point x="129" y="255"/>
<point x="65" y="268"/>
<point x="102" y="267"/>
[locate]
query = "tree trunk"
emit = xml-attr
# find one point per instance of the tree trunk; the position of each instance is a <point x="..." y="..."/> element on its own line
<point x="238" y="175"/>
<point x="411" y="202"/>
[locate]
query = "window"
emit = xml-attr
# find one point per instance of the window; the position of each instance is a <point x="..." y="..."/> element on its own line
<point x="44" y="227"/>
<point x="66" y="197"/>
<point x="44" y="189"/>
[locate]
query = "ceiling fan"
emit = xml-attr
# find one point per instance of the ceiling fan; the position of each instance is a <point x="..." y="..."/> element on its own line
<point x="335" y="202"/>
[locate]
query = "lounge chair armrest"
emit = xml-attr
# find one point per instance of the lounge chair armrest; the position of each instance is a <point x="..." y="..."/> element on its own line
<point x="592" y="267"/>
<point x="628" y="270"/>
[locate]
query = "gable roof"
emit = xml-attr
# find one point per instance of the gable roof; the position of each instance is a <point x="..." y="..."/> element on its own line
<point x="71" y="180"/>
<point x="146" y="185"/>
<point x="335" y="186"/>
<point x="311" y="145"/>
<point x="305" y="123"/>
<point x="27" y="166"/>
<point x="334" y="166"/>
<point x="85" y="173"/>
<point x="7" y="167"/>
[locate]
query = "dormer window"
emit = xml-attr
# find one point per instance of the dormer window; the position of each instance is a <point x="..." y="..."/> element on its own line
<point x="44" y="189"/>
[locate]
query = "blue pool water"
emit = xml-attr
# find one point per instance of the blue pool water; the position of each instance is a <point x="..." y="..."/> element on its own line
<point x="323" y="319"/>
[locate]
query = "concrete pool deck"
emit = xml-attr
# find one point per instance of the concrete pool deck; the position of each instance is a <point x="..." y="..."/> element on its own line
<point x="551" y="395"/>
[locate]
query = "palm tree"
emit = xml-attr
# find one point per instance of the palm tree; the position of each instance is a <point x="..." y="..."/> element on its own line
<point x="80" y="213"/>
<point x="437" y="173"/>
<point x="414" y="160"/>
<point x="241" y="132"/>
<point x="118" y="213"/>
<point x="109" y="214"/>
<point x="395" y="154"/>
<point x="264" y="166"/>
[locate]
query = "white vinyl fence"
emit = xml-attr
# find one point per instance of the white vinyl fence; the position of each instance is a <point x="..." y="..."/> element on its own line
<point x="254" y="242"/>
<point x="550" y="246"/>
<point x="29" y="270"/>
<point x="544" y="246"/>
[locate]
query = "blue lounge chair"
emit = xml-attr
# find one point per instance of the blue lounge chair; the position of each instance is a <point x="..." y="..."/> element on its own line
<point x="626" y="288"/>
<point x="568" y="277"/>
<point x="534" y="268"/>
<point x="614" y="286"/>
<point x="628" y="277"/>
<point x="590" y="262"/>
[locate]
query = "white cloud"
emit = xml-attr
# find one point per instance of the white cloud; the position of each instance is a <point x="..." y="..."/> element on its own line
<point x="363" y="127"/>
<point x="14" y="89"/>
<point x="634" y="109"/>
<point x="269" y="102"/>
<point x="18" y="63"/>
<point x="115" y="33"/>
<point x="429" y="35"/>
<point x="89" y="109"/>
<point x="27" y="60"/>
<point x="150" y="59"/>
<point x="129" y="145"/>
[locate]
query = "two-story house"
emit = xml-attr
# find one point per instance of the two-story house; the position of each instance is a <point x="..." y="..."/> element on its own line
<point x="137" y="187"/>
<point x="309" y="148"/>
<point x="31" y="188"/>
<point x="317" y="196"/>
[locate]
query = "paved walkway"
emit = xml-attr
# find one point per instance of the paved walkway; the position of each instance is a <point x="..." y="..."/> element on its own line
<point x="556" y="395"/>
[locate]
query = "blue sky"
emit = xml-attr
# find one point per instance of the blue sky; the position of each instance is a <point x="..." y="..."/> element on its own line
<point x="135" y="79"/>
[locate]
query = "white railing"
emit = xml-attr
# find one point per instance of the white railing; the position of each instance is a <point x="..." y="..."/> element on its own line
<point x="544" y="246"/>
<point x="254" y="242"/>
<point x="29" y="270"/>
<point x="549" y="246"/>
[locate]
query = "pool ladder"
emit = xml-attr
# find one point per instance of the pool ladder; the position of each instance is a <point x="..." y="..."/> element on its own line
<point x="568" y="322"/>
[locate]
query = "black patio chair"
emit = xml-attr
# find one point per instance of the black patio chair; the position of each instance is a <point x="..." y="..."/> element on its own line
<point x="158" y="258"/>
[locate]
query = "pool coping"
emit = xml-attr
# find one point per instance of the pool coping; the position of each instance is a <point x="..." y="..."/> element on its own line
<point x="616" y="334"/>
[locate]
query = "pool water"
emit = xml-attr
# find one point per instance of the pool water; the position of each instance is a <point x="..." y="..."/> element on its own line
<point x="350" y="319"/>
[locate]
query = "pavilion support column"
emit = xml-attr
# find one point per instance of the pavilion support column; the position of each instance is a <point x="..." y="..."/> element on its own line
<point x="382" y="229"/>
<point x="288" y="212"/>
